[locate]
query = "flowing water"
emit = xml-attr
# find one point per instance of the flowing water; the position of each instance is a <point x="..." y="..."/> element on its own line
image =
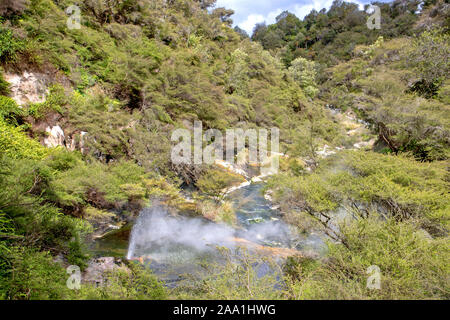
<point x="173" y="246"/>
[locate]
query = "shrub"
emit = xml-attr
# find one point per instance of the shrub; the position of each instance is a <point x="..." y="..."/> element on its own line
<point x="412" y="266"/>
<point x="214" y="182"/>
<point x="10" y="111"/>
<point x="4" y="86"/>
<point x="9" y="45"/>
<point x="138" y="283"/>
<point x="34" y="276"/>
<point x="405" y="188"/>
<point x="242" y="275"/>
<point x="429" y="56"/>
<point x="55" y="100"/>
<point x="304" y="72"/>
<point x="17" y="145"/>
<point x="103" y="186"/>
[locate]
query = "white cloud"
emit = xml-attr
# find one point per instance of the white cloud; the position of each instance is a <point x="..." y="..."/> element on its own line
<point x="251" y="21"/>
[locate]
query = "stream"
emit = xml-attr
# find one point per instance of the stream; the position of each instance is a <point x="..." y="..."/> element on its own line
<point x="175" y="246"/>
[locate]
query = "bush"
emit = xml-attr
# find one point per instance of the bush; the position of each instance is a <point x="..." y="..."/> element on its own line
<point x="17" y="145"/>
<point x="138" y="283"/>
<point x="241" y="275"/>
<point x="412" y="266"/>
<point x="55" y="100"/>
<point x="9" y="45"/>
<point x="4" y="86"/>
<point x="34" y="276"/>
<point x="304" y="72"/>
<point x="215" y="181"/>
<point x="103" y="186"/>
<point x="429" y="56"/>
<point x="10" y="111"/>
<point x="406" y="189"/>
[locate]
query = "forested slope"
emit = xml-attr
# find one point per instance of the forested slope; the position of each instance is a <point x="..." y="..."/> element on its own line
<point x="136" y="70"/>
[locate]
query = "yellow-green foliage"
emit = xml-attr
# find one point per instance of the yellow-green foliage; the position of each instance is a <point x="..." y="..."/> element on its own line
<point x="237" y="278"/>
<point x="35" y="277"/>
<point x="218" y="212"/>
<point x="4" y="86"/>
<point x="95" y="215"/>
<point x="9" y="110"/>
<point x="429" y="55"/>
<point x="404" y="187"/>
<point x="135" y="283"/>
<point x="9" y="45"/>
<point x="380" y="88"/>
<point x="99" y="183"/>
<point x="304" y="72"/>
<point x="55" y="100"/>
<point x="412" y="265"/>
<point x="17" y="145"/>
<point x="215" y="181"/>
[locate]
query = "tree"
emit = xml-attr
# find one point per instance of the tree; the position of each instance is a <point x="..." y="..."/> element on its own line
<point x="224" y="15"/>
<point x="430" y="56"/>
<point x="206" y="4"/>
<point x="259" y="31"/>
<point x="241" y="32"/>
<point x="304" y="72"/>
<point x="288" y="23"/>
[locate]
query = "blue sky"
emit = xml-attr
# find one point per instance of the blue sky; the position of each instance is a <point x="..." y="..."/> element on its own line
<point x="250" y="12"/>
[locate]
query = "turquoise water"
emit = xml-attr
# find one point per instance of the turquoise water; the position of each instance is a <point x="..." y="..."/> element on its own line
<point x="174" y="247"/>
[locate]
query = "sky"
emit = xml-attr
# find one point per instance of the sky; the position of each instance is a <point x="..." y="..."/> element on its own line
<point x="250" y="12"/>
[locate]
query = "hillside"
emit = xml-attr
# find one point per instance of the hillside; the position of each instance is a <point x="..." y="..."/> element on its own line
<point x="87" y="115"/>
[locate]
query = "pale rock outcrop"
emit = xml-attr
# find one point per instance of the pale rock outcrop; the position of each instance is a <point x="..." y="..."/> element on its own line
<point x="76" y="142"/>
<point x="27" y="88"/>
<point x="55" y="137"/>
<point x="98" y="269"/>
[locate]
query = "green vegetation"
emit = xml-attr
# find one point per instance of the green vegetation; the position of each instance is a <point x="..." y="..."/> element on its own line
<point x="55" y="100"/>
<point x="377" y="85"/>
<point x="403" y="187"/>
<point x="429" y="57"/>
<point x="9" y="45"/>
<point x="136" y="70"/>
<point x="412" y="266"/>
<point x="329" y="36"/>
<point x="214" y="182"/>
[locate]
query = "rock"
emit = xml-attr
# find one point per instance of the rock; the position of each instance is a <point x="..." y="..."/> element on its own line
<point x="55" y="137"/>
<point x="60" y="259"/>
<point x="76" y="142"/>
<point x="324" y="152"/>
<point x="27" y="88"/>
<point x="97" y="270"/>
